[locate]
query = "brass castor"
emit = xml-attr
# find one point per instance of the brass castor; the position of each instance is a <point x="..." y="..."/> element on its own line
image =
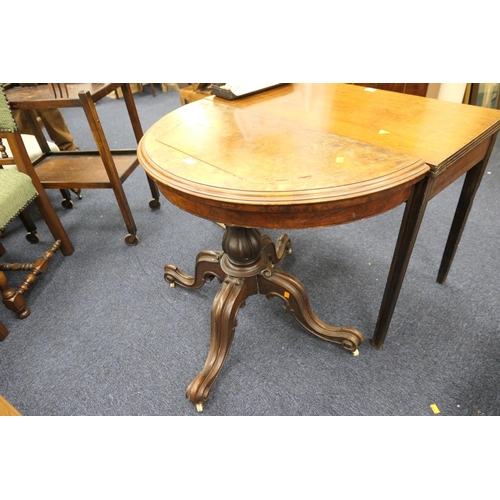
<point x="131" y="239"/>
<point x="33" y="237"/>
<point x="67" y="203"/>
<point x="78" y="192"/>
<point x="154" y="204"/>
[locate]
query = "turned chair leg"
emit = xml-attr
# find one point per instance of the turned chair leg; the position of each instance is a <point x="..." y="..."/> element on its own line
<point x="32" y="235"/>
<point x="12" y="299"/>
<point x="3" y="332"/>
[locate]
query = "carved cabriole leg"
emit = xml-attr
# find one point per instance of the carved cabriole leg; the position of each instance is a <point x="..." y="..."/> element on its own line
<point x="241" y="261"/>
<point x="206" y="268"/>
<point x="229" y="299"/>
<point x="277" y="283"/>
<point x="276" y="253"/>
<point x="247" y="267"/>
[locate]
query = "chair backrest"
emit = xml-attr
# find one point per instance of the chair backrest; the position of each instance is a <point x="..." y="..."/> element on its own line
<point x="7" y="122"/>
<point x="59" y="90"/>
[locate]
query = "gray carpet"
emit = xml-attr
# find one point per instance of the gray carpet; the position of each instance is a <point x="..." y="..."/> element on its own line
<point x="108" y="336"/>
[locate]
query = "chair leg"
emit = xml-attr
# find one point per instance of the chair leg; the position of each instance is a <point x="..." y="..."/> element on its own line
<point x="42" y="200"/>
<point x="107" y="159"/>
<point x="78" y="192"/>
<point x="66" y="201"/>
<point x="3" y="332"/>
<point x="32" y="235"/>
<point x="154" y="203"/>
<point x="13" y="299"/>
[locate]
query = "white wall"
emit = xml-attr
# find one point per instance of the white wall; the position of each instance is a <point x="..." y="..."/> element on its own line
<point x="452" y="92"/>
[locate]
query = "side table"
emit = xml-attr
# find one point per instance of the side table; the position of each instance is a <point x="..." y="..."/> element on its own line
<point x="250" y="168"/>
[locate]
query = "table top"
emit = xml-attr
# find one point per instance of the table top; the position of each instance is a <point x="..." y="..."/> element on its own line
<point x="274" y="160"/>
<point x="436" y="131"/>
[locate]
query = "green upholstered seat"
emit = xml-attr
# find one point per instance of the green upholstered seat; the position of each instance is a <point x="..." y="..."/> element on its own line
<point x="16" y="193"/>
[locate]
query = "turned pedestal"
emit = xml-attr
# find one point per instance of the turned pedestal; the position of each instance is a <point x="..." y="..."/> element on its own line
<point x="245" y="267"/>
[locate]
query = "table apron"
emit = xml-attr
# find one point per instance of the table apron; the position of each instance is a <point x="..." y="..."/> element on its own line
<point x="300" y="216"/>
<point x="459" y="167"/>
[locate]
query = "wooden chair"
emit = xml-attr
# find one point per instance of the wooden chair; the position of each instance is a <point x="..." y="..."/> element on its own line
<point x="34" y="152"/>
<point x="18" y="188"/>
<point x="101" y="169"/>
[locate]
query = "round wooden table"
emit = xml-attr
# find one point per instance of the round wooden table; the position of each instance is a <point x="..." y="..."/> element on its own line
<point x="256" y="163"/>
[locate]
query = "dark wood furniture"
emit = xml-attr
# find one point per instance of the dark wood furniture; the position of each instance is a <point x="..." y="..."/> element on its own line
<point x="453" y="139"/>
<point x="405" y="88"/>
<point x="18" y="188"/>
<point x="13" y="297"/>
<point x="194" y="92"/>
<point x="3" y="331"/>
<point x="269" y="161"/>
<point x="101" y="169"/>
